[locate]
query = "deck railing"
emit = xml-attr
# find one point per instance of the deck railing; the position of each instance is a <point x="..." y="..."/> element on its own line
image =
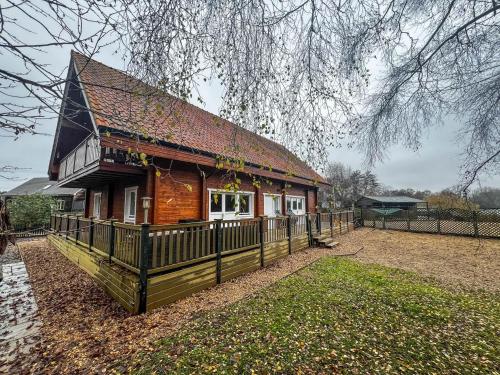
<point x="83" y="155"/>
<point x="155" y="249"/>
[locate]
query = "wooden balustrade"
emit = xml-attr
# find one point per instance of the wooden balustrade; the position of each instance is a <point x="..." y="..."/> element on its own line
<point x="83" y="155"/>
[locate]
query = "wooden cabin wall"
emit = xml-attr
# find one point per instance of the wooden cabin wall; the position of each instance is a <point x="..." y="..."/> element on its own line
<point x="178" y="194"/>
<point x="113" y="198"/>
<point x="181" y="193"/>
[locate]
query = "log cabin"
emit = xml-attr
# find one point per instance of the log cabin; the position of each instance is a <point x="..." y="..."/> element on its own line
<point x="124" y="142"/>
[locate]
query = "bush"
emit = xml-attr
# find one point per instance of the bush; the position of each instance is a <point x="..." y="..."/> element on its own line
<point x="30" y="210"/>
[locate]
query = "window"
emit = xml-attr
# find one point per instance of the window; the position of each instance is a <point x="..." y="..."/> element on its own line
<point x="130" y="204"/>
<point x="244" y="203"/>
<point x="97" y="205"/>
<point x="230" y="205"/>
<point x="296" y="205"/>
<point x="215" y="202"/>
<point x="60" y="205"/>
<point x="230" y="202"/>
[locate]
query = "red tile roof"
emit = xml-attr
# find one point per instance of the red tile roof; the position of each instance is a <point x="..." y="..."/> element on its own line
<point x="122" y="102"/>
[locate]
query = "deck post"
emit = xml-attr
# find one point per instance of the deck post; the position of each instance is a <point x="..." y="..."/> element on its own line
<point x="218" y="250"/>
<point x="261" y="239"/>
<point x="67" y="225"/>
<point x="318" y="222"/>
<point x="474" y="221"/>
<point x="331" y="224"/>
<point x="91" y="232"/>
<point x="289" y="233"/>
<point x="309" y="229"/>
<point x="111" y="239"/>
<point x="145" y="251"/>
<point x="77" y="232"/>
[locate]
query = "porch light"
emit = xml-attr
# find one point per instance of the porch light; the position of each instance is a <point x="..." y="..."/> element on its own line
<point x="146" y="204"/>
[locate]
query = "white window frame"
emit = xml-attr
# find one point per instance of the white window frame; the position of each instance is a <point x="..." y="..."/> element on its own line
<point x="96" y="210"/>
<point x="231" y="215"/>
<point x="296" y="197"/>
<point x="60" y="204"/>
<point x="127" y="218"/>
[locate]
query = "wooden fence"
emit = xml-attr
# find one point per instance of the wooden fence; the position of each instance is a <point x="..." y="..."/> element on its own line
<point x="475" y="223"/>
<point x="173" y="261"/>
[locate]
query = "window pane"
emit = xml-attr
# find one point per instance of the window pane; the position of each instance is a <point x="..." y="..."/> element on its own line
<point x="230" y="202"/>
<point x="294" y="204"/>
<point x="215" y="202"/>
<point x="300" y="203"/>
<point x="131" y="211"/>
<point x="276" y="205"/>
<point x="244" y="203"/>
<point x="288" y="204"/>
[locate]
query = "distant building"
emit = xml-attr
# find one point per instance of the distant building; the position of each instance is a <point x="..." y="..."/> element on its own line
<point x="389" y="203"/>
<point x="67" y="199"/>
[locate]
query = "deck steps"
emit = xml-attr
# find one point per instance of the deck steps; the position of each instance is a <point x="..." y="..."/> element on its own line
<point x="325" y="241"/>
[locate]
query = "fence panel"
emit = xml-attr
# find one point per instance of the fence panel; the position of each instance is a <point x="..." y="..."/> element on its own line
<point x="275" y="229"/>
<point x="71" y="230"/>
<point x="172" y="244"/>
<point x="84" y="229"/>
<point x="238" y="234"/>
<point x="298" y="225"/>
<point x="313" y="218"/>
<point x="481" y="223"/>
<point x="101" y="235"/>
<point x="127" y="243"/>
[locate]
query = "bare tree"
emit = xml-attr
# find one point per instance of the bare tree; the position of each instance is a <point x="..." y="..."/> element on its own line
<point x="301" y="72"/>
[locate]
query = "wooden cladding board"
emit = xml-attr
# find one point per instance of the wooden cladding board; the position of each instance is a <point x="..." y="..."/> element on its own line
<point x="119" y="283"/>
<point x="275" y="250"/>
<point x="175" y="285"/>
<point x="300" y="242"/>
<point x="239" y="264"/>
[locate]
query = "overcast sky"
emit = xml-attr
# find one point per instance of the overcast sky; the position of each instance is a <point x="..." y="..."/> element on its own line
<point x="435" y="166"/>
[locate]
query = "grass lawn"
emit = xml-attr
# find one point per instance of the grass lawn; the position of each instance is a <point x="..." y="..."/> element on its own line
<point x="341" y="316"/>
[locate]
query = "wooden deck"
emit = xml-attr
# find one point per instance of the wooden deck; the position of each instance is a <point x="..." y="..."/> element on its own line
<point x="144" y="267"/>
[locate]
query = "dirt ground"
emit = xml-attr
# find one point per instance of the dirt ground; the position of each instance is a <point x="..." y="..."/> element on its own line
<point x="455" y="261"/>
<point x="85" y="331"/>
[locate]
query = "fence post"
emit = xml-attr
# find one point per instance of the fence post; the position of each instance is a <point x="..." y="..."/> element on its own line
<point x="383" y="221"/>
<point x="218" y="250"/>
<point x="408" y="226"/>
<point x="145" y="251"/>
<point x="77" y="232"/>
<point x="438" y="211"/>
<point x="331" y="224"/>
<point x="261" y="239"/>
<point x="362" y="221"/>
<point x="340" y="222"/>
<point x="474" y="218"/>
<point x="67" y="226"/>
<point x="318" y="222"/>
<point x="111" y="238"/>
<point x="347" y="220"/>
<point x="91" y="232"/>
<point x="289" y="232"/>
<point x="309" y="229"/>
